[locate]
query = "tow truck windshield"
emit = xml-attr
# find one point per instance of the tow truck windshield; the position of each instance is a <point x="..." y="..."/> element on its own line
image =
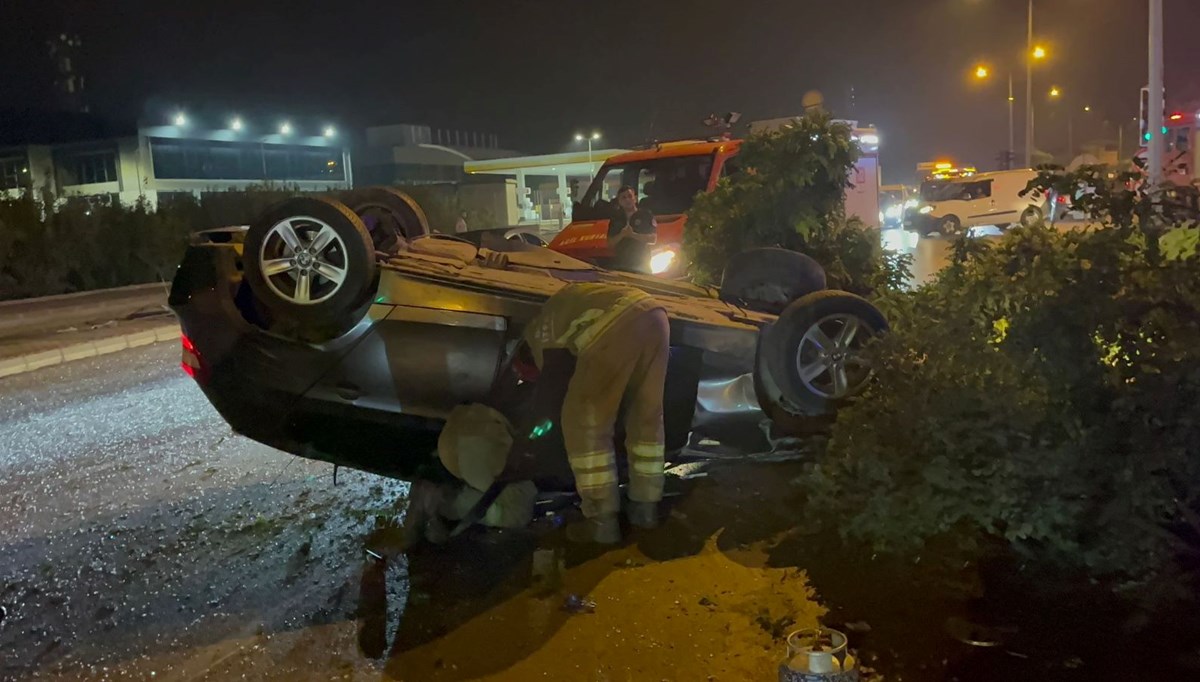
<point x="665" y="186"/>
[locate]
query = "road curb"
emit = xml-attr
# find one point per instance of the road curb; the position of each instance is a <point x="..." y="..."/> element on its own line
<point x="87" y="349"/>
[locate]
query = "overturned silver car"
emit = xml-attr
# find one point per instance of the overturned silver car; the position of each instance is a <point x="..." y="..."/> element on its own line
<point x="340" y="329"/>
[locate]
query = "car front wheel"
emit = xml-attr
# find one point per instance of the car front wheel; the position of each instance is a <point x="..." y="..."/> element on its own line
<point x="813" y="354"/>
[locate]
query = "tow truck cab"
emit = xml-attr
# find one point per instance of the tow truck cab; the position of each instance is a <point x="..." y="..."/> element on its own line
<point x="667" y="177"/>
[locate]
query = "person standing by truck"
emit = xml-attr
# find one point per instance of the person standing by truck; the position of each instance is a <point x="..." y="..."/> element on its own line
<point x="631" y="233"/>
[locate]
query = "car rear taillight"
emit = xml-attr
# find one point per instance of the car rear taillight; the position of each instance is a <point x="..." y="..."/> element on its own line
<point x="192" y="363"/>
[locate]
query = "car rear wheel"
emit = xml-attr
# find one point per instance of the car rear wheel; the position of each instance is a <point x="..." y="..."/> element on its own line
<point x="390" y="216"/>
<point x="1031" y="216"/>
<point x="310" y="262"/>
<point x="813" y="353"/>
<point x="767" y="280"/>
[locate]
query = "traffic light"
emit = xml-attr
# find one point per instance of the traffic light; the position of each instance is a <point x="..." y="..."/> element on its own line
<point x="1144" y="115"/>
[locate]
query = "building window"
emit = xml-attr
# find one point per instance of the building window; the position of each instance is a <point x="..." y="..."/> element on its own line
<point x="14" y="172"/>
<point x="94" y="168"/>
<point x="206" y="160"/>
<point x="88" y="168"/>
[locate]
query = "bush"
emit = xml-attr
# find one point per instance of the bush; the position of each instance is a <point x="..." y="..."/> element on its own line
<point x="1043" y="392"/>
<point x="791" y="193"/>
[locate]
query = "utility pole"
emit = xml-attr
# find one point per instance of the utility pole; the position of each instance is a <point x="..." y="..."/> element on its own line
<point x="1029" y="91"/>
<point x="1155" y="113"/>
<point x="1012" y="145"/>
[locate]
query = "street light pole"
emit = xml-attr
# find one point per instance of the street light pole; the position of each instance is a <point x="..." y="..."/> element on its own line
<point x="1154" y="125"/>
<point x="1012" y="146"/>
<point x="1029" y="91"/>
<point x="579" y="137"/>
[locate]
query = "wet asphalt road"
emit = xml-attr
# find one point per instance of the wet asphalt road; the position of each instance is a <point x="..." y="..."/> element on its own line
<point x="141" y="539"/>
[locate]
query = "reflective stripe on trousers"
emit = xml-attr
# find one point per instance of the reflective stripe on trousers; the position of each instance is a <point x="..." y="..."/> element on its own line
<point x="628" y="364"/>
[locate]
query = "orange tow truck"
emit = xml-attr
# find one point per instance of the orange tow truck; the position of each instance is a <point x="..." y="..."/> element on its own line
<point x="667" y="176"/>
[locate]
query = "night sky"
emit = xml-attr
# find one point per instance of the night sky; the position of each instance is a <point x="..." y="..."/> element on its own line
<point x="536" y="71"/>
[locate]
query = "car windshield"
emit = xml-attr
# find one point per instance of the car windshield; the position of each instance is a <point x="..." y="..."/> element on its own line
<point x="664" y="186"/>
<point x="935" y="191"/>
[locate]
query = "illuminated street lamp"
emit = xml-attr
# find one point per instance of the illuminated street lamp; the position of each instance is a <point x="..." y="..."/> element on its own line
<point x="285" y="128"/>
<point x="1039" y="52"/>
<point x="181" y="119"/>
<point x="983" y="73"/>
<point x="330" y="131"/>
<point x="1055" y="92"/>
<point x="580" y="137"/>
<point x="236" y="124"/>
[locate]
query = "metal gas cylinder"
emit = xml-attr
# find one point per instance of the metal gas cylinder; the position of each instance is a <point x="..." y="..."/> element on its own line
<point x="818" y="655"/>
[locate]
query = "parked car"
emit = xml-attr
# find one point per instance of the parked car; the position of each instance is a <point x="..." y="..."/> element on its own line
<point x="999" y="199"/>
<point x="307" y="336"/>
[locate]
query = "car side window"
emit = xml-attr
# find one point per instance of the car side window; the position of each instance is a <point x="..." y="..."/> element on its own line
<point x="731" y="167"/>
<point x="609" y="186"/>
<point x="645" y="183"/>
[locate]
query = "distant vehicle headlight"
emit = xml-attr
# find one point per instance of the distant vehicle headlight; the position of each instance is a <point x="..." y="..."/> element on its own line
<point x="925" y="209"/>
<point x="893" y="211"/>
<point x="661" y="261"/>
<point x="911" y="203"/>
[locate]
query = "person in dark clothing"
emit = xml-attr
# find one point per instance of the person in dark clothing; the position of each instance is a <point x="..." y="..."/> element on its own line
<point x="631" y="233"/>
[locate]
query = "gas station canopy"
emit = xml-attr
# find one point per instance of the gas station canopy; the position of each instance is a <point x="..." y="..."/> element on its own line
<point x="580" y="164"/>
<point x="572" y="164"/>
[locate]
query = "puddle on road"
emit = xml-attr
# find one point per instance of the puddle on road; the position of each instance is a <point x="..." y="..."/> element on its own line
<point x="297" y="596"/>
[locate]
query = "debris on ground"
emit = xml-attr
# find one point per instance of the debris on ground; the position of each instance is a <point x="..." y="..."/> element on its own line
<point x="576" y="604"/>
<point x="858" y="626"/>
<point x="976" y="634"/>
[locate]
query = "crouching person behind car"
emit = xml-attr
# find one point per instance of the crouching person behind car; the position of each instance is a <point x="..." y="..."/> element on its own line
<point x="607" y="344"/>
<point x="474" y="446"/>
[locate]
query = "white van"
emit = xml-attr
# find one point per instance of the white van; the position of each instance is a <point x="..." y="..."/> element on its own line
<point x="949" y="206"/>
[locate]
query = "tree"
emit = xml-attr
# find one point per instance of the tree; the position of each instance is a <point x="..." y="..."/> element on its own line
<point x="791" y="194"/>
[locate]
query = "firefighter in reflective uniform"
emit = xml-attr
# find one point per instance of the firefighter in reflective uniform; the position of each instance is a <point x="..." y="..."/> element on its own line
<point x="617" y="338"/>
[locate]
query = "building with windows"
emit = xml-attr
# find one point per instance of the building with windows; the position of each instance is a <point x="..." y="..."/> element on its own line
<point x="153" y="163"/>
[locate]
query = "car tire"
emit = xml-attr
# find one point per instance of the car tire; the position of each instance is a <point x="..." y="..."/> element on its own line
<point x="767" y="280"/>
<point x="390" y="216"/>
<point x="1031" y="216"/>
<point x="311" y="263"/>
<point x="813" y="361"/>
<point x="949" y="226"/>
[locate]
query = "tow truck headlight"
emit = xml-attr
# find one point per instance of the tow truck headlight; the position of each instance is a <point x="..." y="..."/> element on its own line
<point x="661" y="261"/>
<point x="925" y="209"/>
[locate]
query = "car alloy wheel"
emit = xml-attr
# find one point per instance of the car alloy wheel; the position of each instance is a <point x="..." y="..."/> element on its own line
<point x="1031" y="216"/>
<point x="828" y="358"/>
<point x="303" y="260"/>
